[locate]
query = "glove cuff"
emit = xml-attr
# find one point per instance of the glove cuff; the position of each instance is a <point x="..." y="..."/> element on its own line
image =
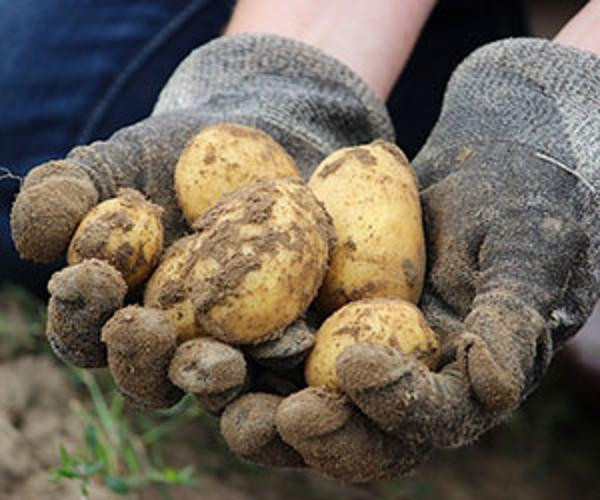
<point x="308" y="101"/>
<point x="528" y="91"/>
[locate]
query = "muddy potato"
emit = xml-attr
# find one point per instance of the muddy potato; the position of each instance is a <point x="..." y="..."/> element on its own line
<point x="125" y="231"/>
<point x="166" y="289"/>
<point x="223" y="158"/>
<point x="259" y="258"/>
<point x="391" y="322"/>
<point x="372" y="196"/>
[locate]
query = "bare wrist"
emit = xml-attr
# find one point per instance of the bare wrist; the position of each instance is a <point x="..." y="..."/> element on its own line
<point x="582" y="31"/>
<point x="374" y="38"/>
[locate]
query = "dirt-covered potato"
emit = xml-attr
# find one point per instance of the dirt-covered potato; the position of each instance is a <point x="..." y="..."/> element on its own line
<point x="372" y="196"/>
<point x="125" y="231"/>
<point x="223" y="158"/>
<point x="140" y="343"/>
<point x="391" y="322"/>
<point x="166" y="289"/>
<point x="258" y="260"/>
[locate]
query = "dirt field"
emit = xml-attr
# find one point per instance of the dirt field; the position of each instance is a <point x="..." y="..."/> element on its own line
<point x="550" y="450"/>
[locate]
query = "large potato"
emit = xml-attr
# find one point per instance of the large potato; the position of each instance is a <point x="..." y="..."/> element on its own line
<point x="166" y="289"/>
<point x="125" y="231"/>
<point x="393" y="322"/>
<point x="372" y="196"/>
<point x="223" y="158"/>
<point x="254" y="266"/>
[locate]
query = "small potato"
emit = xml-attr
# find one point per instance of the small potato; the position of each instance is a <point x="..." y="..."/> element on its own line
<point x="125" y="231"/>
<point x="260" y="256"/>
<point x="223" y="158"/>
<point x="372" y="196"/>
<point x="392" y="322"/>
<point x="166" y="289"/>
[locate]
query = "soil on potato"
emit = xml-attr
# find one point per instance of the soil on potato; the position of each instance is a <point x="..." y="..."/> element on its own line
<point x="550" y="450"/>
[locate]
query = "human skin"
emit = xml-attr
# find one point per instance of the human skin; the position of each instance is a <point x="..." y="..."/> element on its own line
<point x="374" y="38"/>
<point x="582" y="30"/>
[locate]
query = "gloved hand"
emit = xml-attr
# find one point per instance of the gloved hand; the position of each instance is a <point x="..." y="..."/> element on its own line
<point x="308" y="102"/>
<point x="510" y="180"/>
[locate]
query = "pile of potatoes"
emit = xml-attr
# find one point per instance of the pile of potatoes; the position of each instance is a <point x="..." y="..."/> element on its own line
<point x="265" y="251"/>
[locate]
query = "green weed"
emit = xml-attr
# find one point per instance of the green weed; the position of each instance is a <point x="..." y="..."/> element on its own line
<point x="122" y="450"/>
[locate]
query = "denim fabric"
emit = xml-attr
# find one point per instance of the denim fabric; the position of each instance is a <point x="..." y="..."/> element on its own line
<point x="72" y="71"/>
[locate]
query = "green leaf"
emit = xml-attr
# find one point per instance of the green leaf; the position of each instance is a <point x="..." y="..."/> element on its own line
<point x="64" y="455"/>
<point x="90" y="435"/>
<point x="117" y="485"/>
<point x="68" y="473"/>
<point x="91" y="469"/>
<point x="84" y="489"/>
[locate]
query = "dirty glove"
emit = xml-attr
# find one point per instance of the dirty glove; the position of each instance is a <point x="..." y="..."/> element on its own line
<point x="308" y="102"/>
<point x="510" y="178"/>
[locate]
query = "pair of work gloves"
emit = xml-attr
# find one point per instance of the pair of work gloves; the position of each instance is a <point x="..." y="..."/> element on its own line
<point x="509" y="180"/>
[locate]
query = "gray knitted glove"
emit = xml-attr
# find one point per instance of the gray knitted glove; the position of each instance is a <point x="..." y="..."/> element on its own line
<point x="308" y="102"/>
<point x="511" y="183"/>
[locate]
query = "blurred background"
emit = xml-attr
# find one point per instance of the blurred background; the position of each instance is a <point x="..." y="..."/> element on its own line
<point x="65" y="434"/>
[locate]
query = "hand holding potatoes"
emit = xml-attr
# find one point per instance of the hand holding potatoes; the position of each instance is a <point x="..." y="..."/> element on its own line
<point x="222" y="311"/>
<point x="511" y="271"/>
<point x="509" y="190"/>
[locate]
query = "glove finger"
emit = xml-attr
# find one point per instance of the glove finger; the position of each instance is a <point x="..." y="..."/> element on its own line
<point x="248" y="426"/>
<point x="338" y="441"/>
<point x="140" y="343"/>
<point x="53" y="199"/>
<point x="82" y="298"/>
<point x="403" y="397"/>
<point x="214" y="372"/>
<point x="524" y="269"/>
<point x="287" y="351"/>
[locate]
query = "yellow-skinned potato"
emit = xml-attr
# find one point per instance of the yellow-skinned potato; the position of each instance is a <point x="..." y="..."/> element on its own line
<point x="260" y="256"/>
<point x="222" y="158"/>
<point x="393" y="322"/>
<point x="125" y="231"/>
<point x="165" y="289"/>
<point x="372" y="196"/>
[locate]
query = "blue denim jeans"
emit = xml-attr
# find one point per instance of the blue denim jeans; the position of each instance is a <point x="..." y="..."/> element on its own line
<point x="72" y="71"/>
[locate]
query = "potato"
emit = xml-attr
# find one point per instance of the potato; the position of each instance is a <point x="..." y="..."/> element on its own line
<point x="391" y="322"/>
<point x="166" y="290"/>
<point x="258" y="260"/>
<point x="125" y="231"/>
<point x="223" y="158"/>
<point x="372" y="196"/>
